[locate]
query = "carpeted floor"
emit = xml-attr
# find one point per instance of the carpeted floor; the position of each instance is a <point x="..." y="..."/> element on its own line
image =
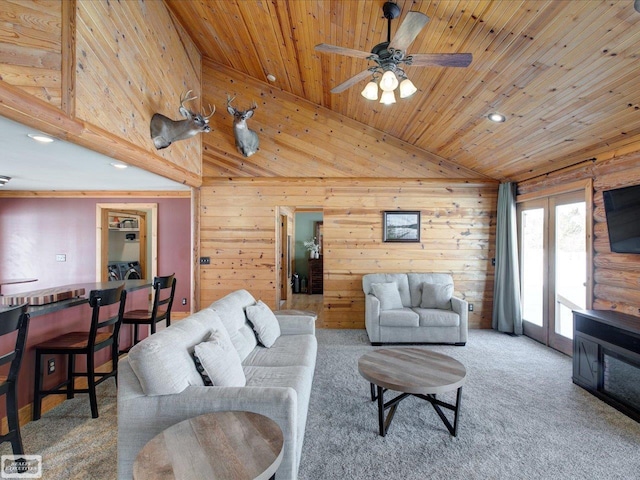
<point x="522" y="418"/>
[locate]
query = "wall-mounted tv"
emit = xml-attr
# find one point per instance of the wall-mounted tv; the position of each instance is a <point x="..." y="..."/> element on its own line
<point x="622" y="208"/>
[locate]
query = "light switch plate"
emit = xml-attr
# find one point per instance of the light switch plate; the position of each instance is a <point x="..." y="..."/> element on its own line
<point x="61" y="257"/>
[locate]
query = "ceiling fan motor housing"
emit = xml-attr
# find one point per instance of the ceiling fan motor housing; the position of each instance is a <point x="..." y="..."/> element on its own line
<point x="390" y="10"/>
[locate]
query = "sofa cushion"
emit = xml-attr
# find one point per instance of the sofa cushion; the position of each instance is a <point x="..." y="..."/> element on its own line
<point x="231" y="309"/>
<point x="288" y="350"/>
<point x="265" y="324"/>
<point x="404" y="317"/>
<point x="429" y="317"/>
<point x="400" y="279"/>
<point x="163" y="362"/>
<point x="220" y="361"/>
<point x="415" y="281"/>
<point x="388" y="295"/>
<point x="436" y="295"/>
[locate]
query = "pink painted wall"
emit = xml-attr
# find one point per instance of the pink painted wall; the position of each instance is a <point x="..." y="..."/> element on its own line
<point x="34" y="230"/>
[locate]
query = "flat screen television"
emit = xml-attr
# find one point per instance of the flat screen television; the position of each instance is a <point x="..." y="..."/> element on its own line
<point x="622" y="208"/>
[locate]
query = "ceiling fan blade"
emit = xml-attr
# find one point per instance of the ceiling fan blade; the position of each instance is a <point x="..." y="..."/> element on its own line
<point x="441" y="59"/>
<point x="409" y="30"/>
<point x="349" y="52"/>
<point x="351" y="82"/>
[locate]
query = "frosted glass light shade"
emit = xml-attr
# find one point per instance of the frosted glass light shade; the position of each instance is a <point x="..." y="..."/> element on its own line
<point x="388" y="97"/>
<point x="388" y="82"/>
<point x="370" y="92"/>
<point x="407" y="88"/>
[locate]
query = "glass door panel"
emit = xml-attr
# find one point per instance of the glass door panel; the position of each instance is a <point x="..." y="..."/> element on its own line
<point x="570" y="266"/>
<point x="532" y="265"/>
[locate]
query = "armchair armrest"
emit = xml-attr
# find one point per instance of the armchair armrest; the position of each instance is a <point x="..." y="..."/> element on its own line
<point x="461" y="307"/>
<point x="372" y="317"/>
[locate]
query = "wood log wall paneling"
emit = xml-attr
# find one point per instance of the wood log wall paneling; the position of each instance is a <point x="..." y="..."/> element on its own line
<point x="131" y="63"/>
<point x="616" y="275"/>
<point x="238" y="231"/>
<point x="31" y="47"/>
<point x="300" y="139"/>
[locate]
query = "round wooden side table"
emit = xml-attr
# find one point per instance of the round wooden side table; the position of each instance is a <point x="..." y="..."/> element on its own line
<point x="219" y="445"/>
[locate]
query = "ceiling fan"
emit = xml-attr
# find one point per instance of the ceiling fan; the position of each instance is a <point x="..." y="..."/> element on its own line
<point x="389" y="57"/>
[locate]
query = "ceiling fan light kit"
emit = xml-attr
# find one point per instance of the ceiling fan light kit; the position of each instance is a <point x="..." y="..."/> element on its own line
<point x="389" y="57"/>
<point x="370" y="92"/>
<point x="388" y="97"/>
<point x="407" y="88"/>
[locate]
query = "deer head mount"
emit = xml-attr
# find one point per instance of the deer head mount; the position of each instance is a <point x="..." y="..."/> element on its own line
<point x="246" y="140"/>
<point x="165" y="131"/>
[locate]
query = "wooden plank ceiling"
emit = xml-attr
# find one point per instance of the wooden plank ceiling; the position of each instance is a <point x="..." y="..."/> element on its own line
<point x="565" y="73"/>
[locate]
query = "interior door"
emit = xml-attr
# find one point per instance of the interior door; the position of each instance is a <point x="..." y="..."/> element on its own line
<point x="552" y="235"/>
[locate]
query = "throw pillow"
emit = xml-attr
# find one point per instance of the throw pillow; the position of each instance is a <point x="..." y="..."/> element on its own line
<point x="219" y="361"/>
<point x="436" y="295"/>
<point x="388" y="295"/>
<point x="265" y="324"/>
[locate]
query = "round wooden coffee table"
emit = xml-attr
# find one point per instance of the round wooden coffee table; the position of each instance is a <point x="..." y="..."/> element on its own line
<point x="220" y="445"/>
<point x="413" y="371"/>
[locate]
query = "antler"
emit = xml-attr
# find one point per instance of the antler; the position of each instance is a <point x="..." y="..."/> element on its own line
<point x="254" y="105"/>
<point x="213" y="110"/>
<point x="186" y="98"/>
<point x="229" y="100"/>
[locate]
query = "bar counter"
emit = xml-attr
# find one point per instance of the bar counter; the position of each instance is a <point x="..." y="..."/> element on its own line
<point x="39" y="310"/>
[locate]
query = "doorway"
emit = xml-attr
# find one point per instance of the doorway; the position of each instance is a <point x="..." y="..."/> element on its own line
<point x="553" y="235"/>
<point x="133" y="226"/>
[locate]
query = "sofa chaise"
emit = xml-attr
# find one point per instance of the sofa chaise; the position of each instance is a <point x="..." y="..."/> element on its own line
<point x="160" y="383"/>
<point x="413" y="308"/>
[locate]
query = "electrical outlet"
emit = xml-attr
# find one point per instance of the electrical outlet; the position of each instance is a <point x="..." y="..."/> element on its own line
<point x="51" y="366"/>
<point x="493" y="262"/>
<point x="205" y="260"/>
<point x="61" y="257"/>
<point x="184" y="301"/>
<point x="471" y="307"/>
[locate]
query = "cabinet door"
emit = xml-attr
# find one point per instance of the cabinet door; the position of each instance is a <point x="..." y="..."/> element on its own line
<point x="585" y="362"/>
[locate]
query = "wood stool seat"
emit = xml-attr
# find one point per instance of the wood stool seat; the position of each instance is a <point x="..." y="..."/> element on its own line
<point x="72" y="340"/>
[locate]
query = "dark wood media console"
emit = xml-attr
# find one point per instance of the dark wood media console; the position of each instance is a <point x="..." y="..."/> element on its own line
<point x="606" y="357"/>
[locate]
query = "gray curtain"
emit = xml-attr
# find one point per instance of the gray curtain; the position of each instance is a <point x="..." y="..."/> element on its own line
<point x="507" y="309"/>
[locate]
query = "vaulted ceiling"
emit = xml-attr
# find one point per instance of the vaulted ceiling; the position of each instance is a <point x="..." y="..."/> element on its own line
<point x="564" y="73"/>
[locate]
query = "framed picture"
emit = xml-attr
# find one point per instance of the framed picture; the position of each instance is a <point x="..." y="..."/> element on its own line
<point x="401" y="226"/>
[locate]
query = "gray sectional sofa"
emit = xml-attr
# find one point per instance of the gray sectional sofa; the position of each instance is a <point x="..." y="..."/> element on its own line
<point x="159" y="384"/>
<point x="413" y="308"/>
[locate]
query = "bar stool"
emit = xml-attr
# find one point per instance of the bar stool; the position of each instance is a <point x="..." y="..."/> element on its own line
<point x="83" y="343"/>
<point x="12" y="320"/>
<point x="164" y="290"/>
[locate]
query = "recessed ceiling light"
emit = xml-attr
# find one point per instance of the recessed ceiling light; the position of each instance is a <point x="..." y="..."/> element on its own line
<point x="497" y="117"/>
<point x="40" y="137"/>
<point x="119" y="165"/>
<point x="271" y="77"/>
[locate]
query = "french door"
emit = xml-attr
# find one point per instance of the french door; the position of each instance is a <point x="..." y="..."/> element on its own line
<point x="552" y="234"/>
